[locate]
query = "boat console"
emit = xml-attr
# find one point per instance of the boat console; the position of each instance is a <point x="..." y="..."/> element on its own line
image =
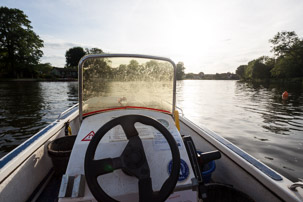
<point x="128" y="147"/>
<point x="124" y="182"/>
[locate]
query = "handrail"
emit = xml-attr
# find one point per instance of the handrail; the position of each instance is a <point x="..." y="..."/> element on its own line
<point x="179" y="108"/>
<point x="64" y="112"/>
<point x="182" y="113"/>
<point x="296" y="184"/>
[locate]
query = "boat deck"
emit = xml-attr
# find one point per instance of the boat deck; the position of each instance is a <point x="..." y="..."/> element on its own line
<point x="48" y="191"/>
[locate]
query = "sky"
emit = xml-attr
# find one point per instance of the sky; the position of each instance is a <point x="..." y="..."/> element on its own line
<point x="207" y="36"/>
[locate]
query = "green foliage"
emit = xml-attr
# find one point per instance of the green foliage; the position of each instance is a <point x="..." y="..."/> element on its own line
<point x="43" y="70"/>
<point x="257" y="69"/>
<point x="200" y="75"/>
<point x="286" y="67"/>
<point x="241" y="71"/>
<point x="93" y="51"/>
<point x="190" y="76"/>
<point x="285" y="43"/>
<point x="19" y="44"/>
<point x="288" y="49"/>
<point x="217" y="76"/>
<point x="73" y="56"/>
<point x="180" y="71"/>
<point x="269" y="62"/>
<point x="225" y="76"/>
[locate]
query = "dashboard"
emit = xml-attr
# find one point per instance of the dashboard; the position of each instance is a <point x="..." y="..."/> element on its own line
<point x="118" y="184"/>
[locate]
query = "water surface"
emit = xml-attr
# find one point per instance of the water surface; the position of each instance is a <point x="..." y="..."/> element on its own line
<point x="27" y="107"/>
<point x="254" y="117"/>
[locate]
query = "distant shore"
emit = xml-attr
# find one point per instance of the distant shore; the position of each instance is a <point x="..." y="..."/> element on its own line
<point x="276" y="80"/>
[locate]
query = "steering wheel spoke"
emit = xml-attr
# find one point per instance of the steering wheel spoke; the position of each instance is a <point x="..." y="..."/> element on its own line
<point x="146" y="193"/>
<point x="104" y="166"/>
<point x="129" y="128"/>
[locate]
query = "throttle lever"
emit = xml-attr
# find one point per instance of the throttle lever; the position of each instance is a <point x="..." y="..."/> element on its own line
<point x="207" y="157"/>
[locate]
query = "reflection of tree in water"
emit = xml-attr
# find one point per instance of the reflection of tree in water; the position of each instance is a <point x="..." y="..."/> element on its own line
<point x="279" y="116"/>
<point x="21" y="113"/>
<point x="72" y="93"/>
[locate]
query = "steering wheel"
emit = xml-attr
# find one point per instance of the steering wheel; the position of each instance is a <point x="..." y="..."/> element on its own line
<point x="132" y="160"/>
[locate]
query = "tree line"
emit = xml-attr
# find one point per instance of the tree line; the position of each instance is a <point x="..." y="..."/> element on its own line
<point x="217" y="76"/>
<point x="286" y="63"/>
<point x="20" y="48"/>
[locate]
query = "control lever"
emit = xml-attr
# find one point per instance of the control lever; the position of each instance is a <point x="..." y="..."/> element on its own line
<point x="197" y="163"/>
<point x="207" y="157"/>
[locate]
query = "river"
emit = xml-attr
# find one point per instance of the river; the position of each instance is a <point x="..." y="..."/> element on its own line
<point x="254" y="117"/>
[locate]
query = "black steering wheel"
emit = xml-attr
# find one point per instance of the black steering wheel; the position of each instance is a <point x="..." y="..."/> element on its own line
<point x="132" y="160"/>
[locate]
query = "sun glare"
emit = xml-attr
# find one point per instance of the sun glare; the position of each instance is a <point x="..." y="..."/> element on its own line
<point x="190" y="33"/>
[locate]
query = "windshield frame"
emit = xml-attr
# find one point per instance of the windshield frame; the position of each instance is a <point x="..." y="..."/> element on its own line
<point x="83" y="59"/>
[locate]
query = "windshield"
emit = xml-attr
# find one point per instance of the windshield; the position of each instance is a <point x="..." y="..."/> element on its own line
<point x="126" y="83"/>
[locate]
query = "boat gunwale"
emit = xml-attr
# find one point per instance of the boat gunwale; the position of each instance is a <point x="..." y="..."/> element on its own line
<point x="278" y="187"/>
<point x="12" y="155"/>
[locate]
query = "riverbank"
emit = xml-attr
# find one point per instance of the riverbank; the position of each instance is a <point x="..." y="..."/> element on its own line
<point x="280" y="81"/>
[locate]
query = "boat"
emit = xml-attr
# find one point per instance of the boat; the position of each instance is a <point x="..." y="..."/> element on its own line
<point x="127" y="140"/>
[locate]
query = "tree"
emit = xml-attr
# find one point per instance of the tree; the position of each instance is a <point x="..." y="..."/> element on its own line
<point x="190" y="76"/>
<point x="288" y="63"/>
<point x="257" y="69"/>
<point x="180" y="71"/>
<point x="241" y="71"/>
<point x="19" y="44"/>
<point x="73" y="56"/>
<point x="288" y="48"/>
<point x="286" y="43"/>
<point x="286" y="67"/>
<point x="94" y="51"/>
<point x="43" y="70"/>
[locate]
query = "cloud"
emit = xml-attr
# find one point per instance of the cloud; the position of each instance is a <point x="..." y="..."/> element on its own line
<point x="55" y="48"/>
<point x="54" y="60"/>
<point x="205" y="35"/>
<point x="225" y="40"/>
<point x="57" y="45"/>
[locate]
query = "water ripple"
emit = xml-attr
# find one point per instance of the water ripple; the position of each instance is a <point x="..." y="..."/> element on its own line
<point x="27" y="107"/>
<point x="252" y="116"/>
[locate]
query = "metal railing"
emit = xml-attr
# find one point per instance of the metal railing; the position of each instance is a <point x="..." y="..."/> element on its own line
<point x="66" y="111"/>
